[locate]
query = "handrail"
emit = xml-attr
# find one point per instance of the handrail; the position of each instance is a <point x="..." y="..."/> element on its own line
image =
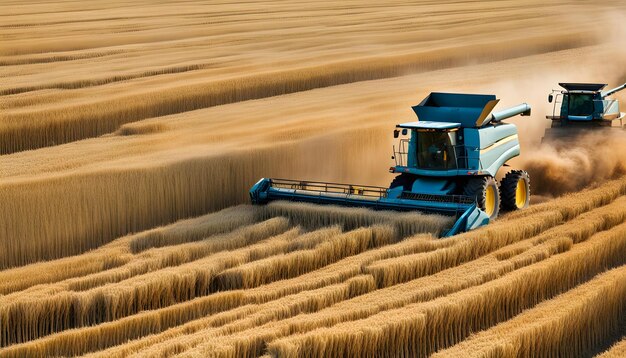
<point x="325" y="187"/>
<point x="402" y="154"/>
<point x="556" y="101"/>
<point x="460" y="152"/>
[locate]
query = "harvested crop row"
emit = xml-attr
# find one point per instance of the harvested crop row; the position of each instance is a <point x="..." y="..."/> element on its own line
<point x="314" y="216"/>
<point x="474" y="245"/>
<point x="306" y="301"/>
<point x="194" y="229"/>
<point x="21" y="278"/>
<point x="618" y="350"/>
<point x="39" y="313"/>
<point x="169" y="286"/>
<point x="570" y="325"/>
<point x="250" y="338"/>
<point x="156" y="259"/>
<point x="83" y="340"/>
<point x="568" y="203"/>
<point x="423" y="328"/>
<point x="115" y="255"/>
<point x="155" y="321"/>
<point x="277" y="268"/>
<point x="240" y="240"/>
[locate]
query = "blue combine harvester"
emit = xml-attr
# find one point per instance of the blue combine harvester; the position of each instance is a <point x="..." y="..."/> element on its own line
<point x="584" y="107"/>
<point x="447" y="162"/>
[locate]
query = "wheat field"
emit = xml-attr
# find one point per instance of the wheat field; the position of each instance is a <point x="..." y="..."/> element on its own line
<point x="130" y="133"/>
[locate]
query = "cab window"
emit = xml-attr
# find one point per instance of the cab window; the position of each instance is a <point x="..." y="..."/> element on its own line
<point x="435" y="150"/>
<point x="580" y="104"/>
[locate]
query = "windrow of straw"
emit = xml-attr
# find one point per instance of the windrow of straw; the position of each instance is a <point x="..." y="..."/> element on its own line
<point x="168" y="286"/>
<point x="194" y="229"/>
<point x="81" y="341"/>
<point x="283" y="308"/>
<point x="299" y="262"/>
<point x="88" y="264"/>
<point x="314" y="216"/>
<point x="117" y="256"/>
<point x="573" y="324"/>
<point x="618" y="350"/>
<point x="250" y="337"/>
<point x="155" y="259"/>
<point x="39" y="313"/>
<point x="155" y="321"/>
<point x="423" y="328"/>
<point x="239" y="241"/>
<point x="474" y="245"/>
<point x="290" y="241"/>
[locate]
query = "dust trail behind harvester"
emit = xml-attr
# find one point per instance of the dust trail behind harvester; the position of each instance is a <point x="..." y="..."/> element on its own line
<point x="590" y="160"/>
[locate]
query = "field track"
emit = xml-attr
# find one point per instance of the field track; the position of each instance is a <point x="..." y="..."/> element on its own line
<point x="131" y="132"/>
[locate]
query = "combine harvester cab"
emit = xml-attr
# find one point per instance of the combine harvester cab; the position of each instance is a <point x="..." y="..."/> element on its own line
<point x="584" y="107"/>
<point x="447" y="162"/>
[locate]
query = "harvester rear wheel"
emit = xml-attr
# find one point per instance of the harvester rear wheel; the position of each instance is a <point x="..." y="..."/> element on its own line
<point x="485" y="190"/>
<point x="515" y="190"/>
<point x="403" y="180"/>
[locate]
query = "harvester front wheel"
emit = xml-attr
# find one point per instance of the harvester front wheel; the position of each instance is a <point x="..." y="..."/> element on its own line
<point x="515" y="190"/>
<point x="485" y="190"/>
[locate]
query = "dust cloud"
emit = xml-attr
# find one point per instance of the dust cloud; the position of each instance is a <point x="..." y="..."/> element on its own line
<point x="559" y="168"/>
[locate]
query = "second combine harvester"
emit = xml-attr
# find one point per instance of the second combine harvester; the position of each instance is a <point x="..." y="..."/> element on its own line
<point x="584" y="108"/>
<point x="447" y="163"/>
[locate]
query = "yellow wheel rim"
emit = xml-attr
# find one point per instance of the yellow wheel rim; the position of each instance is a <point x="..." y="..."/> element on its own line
<point x="490" y="200"/>
<point x="520" y="194"/>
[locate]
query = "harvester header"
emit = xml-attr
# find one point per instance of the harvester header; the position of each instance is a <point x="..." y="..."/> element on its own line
<point x="447" y="162"/>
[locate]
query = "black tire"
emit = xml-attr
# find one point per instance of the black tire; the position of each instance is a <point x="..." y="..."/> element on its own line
<point x="403" y="180"/>
<point x="477" y="188"/>
<point x="508" y="190"/>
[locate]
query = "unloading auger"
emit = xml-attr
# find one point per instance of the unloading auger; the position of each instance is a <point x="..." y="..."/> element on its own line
<point x="447" y="162"/>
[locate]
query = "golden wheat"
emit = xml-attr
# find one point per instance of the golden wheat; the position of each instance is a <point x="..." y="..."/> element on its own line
<point x="572" y="324"/>
<point x="618" y="350"/>
<point x="42" y="312"/>
<point x="307" y="92"/>
<point x="342" y="311"/>
<point x="197" y="308"/>
<point x="422" y="328"/>
<point x="97" y="99"/>
<point x="117" y="202"/>
<point x="252" y="337"/>
<point x="473" y="245"/>
<point x="522" y="254"/>
<point x="297" y="263"/>
<point x="83" y="340"/>
<point x="314" y="216"/>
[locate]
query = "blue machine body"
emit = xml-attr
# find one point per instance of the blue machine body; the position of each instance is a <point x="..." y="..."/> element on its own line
<point x="585" y="104"/>
<point x="456" y="138"/>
